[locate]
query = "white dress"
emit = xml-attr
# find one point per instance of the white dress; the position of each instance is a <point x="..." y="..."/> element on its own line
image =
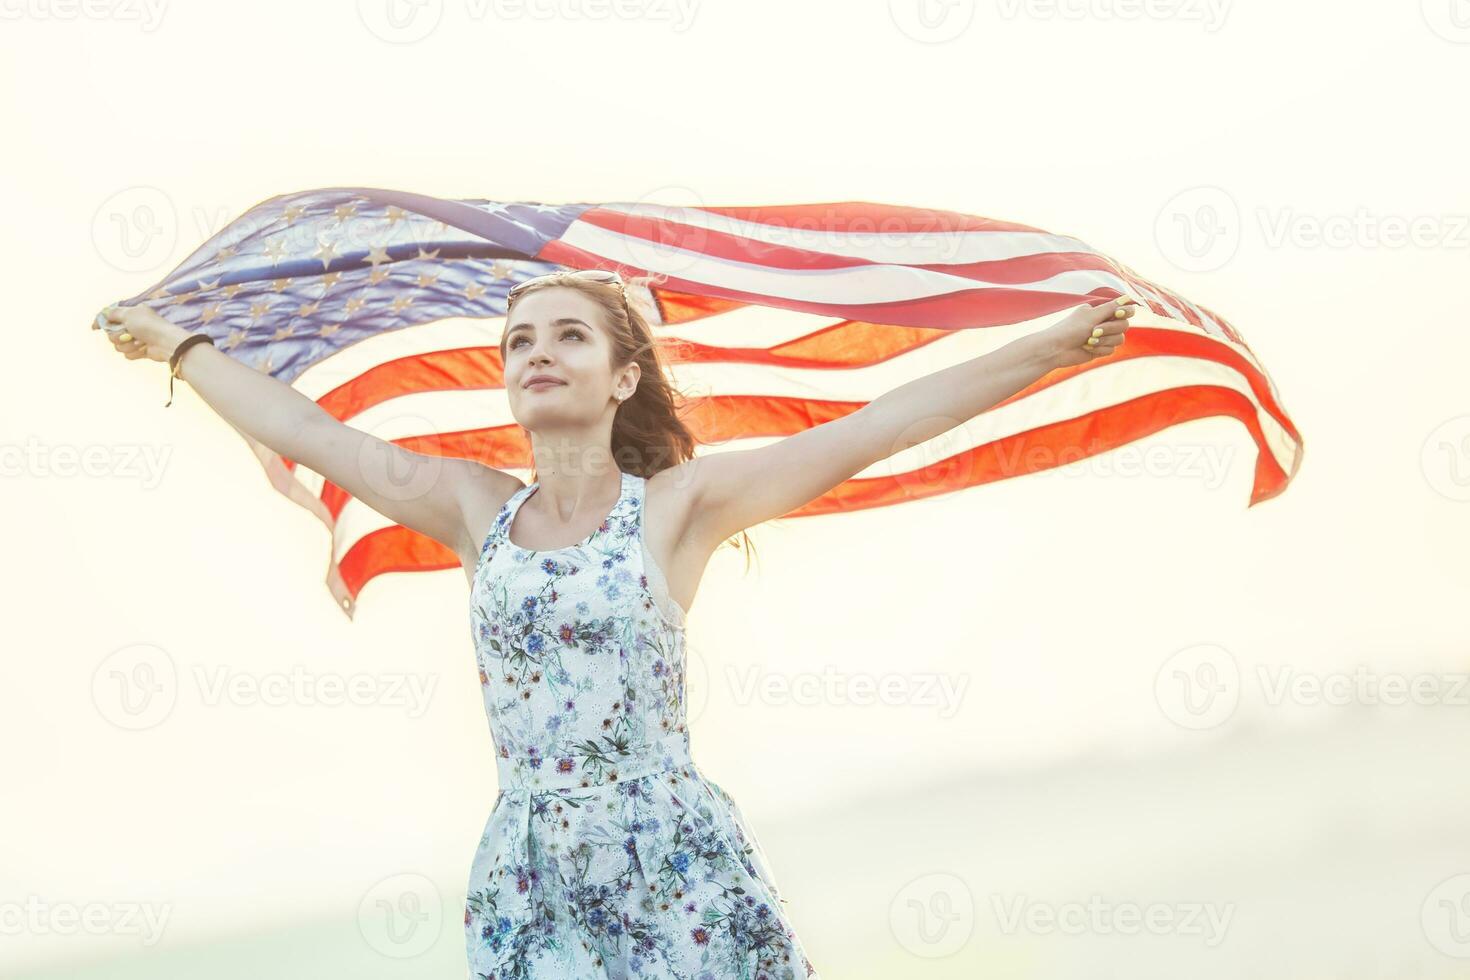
<point x="608" y="854"/>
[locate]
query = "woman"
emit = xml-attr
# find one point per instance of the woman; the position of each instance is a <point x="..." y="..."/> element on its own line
<point x="608" y="853"/>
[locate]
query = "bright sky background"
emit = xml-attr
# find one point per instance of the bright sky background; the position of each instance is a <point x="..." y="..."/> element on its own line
<point x="1051" y="601"/>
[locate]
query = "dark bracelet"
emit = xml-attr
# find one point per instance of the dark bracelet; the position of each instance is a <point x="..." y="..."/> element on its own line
<point x="173" y="360"/>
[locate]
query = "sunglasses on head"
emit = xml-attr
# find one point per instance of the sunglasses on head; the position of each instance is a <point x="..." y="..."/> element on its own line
<point x="596" y="275"/>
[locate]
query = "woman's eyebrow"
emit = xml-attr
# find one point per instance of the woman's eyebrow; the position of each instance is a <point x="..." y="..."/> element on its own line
<point x="560" y="321"/>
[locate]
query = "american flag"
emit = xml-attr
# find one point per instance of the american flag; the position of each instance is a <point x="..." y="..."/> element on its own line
<point x="386" y="308"/>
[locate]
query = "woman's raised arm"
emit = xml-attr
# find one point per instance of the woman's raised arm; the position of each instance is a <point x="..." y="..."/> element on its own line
<point x="737" y="489"/>
<point x="434" y="495"/>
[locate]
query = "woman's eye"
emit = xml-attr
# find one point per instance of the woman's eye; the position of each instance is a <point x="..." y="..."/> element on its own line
<point x="572" y="332"/>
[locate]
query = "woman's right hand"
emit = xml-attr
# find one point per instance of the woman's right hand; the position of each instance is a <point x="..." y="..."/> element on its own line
<point x="150" y="335"/>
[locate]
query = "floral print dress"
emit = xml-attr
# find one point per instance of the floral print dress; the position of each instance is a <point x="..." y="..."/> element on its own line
<point x="608" y="854"/>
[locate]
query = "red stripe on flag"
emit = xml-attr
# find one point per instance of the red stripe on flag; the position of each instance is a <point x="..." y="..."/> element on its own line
<point x="863" y="217"/>
<point x="1045" y="447"/>
<point x="721" y="417"/>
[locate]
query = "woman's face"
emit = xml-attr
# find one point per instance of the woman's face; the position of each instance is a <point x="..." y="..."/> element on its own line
<point x="558" y="333"/>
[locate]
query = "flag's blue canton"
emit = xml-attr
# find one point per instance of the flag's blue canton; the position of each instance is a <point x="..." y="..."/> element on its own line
<point x="309" y="274"/>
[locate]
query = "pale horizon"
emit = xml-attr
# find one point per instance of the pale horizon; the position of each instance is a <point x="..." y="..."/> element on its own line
<point x="1249" y="158"/>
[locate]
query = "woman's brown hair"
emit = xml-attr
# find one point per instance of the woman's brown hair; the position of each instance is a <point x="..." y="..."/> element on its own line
<point x="648" y="433"/>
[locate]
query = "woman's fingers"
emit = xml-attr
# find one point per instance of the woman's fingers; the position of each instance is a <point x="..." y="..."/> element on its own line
<point x="1104" y="313"/>
<point x="123" y="341"/>
<point x="1113" y="317"/>
<point x="1106" y="324"/>
<point x="1118" y="309"/>
<point x="107" y="321"/>
<point x="127" y="343"/>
